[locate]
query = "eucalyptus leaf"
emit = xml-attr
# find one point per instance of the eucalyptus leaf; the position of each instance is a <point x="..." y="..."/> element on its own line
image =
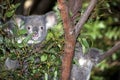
<point x="10" y="13"/>
<point x="26" y="39"/>
<point x="46" y="76"/>
<point x="44" y="58"/>
<point x="22" y="31"/>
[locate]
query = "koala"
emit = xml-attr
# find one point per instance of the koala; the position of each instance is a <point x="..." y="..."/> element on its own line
<point x="36" y="26"/>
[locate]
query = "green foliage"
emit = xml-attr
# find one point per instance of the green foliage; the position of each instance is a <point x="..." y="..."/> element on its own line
<point x="98" y="78"/>
<point x="103" y="25"/>
<point x="84" y="43"/>
<point x="7" y="9"/>
<point x="11" y="10"/>
<point x="94" y="29"/>
<point x="43" y="59"/>
<point x="49" y="56"/>
<point x="102" y="31"/>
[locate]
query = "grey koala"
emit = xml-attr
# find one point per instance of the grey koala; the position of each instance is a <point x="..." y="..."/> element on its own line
<point x="35" y="25"/>
<point x="84" y="62"/>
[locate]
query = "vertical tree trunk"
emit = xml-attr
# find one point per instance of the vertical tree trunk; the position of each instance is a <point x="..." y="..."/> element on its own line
<point x="69" y="40"/>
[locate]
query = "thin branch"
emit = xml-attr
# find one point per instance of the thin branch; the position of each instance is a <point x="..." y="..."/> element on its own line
<point x="110" y="52"/>
<point x="84" y="17"/>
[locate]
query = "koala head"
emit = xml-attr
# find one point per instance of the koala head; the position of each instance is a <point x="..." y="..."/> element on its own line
<point x="35" y="25"/>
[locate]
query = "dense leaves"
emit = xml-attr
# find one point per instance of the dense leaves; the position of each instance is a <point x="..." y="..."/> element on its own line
<point x="44" y="60"/>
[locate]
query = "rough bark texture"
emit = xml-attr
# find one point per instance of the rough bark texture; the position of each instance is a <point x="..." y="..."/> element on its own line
<point x="69" y="40"/>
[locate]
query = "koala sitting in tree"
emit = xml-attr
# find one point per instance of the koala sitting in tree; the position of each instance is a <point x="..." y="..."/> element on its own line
<point x="36" y="26"/>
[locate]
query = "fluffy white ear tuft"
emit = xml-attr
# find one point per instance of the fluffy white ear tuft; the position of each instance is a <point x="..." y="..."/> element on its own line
<point x="19" y="20"/>
<point x="51" y="19"/>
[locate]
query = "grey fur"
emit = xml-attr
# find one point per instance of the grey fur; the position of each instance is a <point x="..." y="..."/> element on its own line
<point x="37" y="25"/>
<point x="11" y="64"/>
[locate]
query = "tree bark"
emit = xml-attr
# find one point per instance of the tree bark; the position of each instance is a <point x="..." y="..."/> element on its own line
<point x="70" y="35"/>
<point x="69" y="40"/>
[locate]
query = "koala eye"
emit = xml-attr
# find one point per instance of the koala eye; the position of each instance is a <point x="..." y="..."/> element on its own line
<point x="41" y="28"/>
<point x="28" y="27"/>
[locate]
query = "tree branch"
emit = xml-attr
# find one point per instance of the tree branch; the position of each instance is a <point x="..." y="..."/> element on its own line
<point x="69" y="40"/>
<point x="84" y="17"/>
<point x="70" y="37"/>
<point x="110" y="52"/>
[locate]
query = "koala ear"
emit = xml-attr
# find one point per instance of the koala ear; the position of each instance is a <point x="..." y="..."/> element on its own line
<point x="19" y="20"/>
<point x="51" y="19"/>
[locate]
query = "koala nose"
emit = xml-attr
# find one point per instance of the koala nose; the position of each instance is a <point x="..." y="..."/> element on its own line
<point x="35" y="29"/>
<point x="35" y="33"/>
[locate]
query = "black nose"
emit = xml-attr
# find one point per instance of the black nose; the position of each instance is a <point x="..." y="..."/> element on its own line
<point x="35" y="29"/>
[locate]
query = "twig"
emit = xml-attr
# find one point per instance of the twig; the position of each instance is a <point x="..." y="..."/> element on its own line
<point x="84" y="17"/>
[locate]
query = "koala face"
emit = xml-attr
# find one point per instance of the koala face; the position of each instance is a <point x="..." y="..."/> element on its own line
<point x="35" y="25"/>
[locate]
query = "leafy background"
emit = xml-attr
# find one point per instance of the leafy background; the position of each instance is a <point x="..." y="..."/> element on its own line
<point x="102" y="31"/>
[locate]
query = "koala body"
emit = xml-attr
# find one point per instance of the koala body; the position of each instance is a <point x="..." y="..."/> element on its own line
<point x="36" y="26"/>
